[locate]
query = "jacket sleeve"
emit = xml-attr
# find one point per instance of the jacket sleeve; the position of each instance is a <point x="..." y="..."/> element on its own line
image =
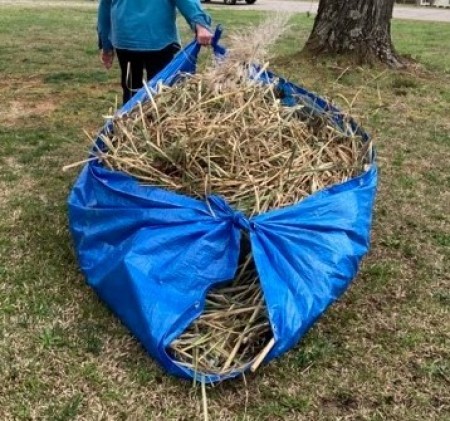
<point x="193" y="13"/>
<point x="104" y="25"/>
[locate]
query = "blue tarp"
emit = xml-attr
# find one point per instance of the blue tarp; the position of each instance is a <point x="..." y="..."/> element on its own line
<point x="152" y="255"/>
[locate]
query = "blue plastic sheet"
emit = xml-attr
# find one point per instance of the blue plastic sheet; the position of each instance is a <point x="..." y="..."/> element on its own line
<point x="152" y="255"/>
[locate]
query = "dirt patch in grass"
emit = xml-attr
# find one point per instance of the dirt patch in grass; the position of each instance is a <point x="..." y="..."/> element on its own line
<point x="17" y="110"/>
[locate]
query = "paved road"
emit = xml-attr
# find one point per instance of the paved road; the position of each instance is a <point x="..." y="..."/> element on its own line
<point x="400" y="12"/>
<point x="294" y="6"/>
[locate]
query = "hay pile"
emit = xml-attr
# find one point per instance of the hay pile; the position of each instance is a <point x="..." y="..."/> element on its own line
<point x="241" y="143"/>
<point x="219" y="132"/>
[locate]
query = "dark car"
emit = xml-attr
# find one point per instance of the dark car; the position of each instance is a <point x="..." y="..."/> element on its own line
<point x="231" y="1"/>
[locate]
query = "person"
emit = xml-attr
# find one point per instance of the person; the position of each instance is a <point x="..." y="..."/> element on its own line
<point x="144" y="36"/>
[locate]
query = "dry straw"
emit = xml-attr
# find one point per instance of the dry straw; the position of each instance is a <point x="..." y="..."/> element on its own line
<point x="219" y="132"/>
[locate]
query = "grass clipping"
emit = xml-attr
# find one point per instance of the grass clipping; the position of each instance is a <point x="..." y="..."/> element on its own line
<point x="221" y="132"/>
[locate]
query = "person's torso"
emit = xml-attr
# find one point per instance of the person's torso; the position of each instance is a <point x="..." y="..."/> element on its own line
<point x="143" y="24"/>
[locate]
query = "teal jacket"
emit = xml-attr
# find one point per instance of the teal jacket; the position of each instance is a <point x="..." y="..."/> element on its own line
<point x="145" y="25"/>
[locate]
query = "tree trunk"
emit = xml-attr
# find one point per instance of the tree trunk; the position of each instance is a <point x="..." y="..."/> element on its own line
<point x="357" y="28"/>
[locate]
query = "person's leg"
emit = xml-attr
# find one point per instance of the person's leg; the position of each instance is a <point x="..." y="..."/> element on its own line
<point x="132" y="71"/>
<point x="155" y="61"/>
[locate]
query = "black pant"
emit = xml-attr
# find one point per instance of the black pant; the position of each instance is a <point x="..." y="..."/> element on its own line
<point x="133" y="63"/>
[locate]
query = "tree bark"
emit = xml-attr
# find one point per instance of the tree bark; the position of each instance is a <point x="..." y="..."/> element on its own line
<point x="357" y="28"/>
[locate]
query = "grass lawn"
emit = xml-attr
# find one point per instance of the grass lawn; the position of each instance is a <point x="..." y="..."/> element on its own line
<point x="381" y="353"/>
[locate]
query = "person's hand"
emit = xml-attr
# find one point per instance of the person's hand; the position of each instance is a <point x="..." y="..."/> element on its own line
<point x="107" y="58"/>
<point x="204" y="35"/>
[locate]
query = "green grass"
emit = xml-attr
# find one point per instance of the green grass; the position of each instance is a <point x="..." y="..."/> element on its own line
<point x="381" y="353"/>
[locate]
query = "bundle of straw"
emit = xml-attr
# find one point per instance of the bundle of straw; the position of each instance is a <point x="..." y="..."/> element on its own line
<point x="242" y="144"/>
<point x="221" y="132"/>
